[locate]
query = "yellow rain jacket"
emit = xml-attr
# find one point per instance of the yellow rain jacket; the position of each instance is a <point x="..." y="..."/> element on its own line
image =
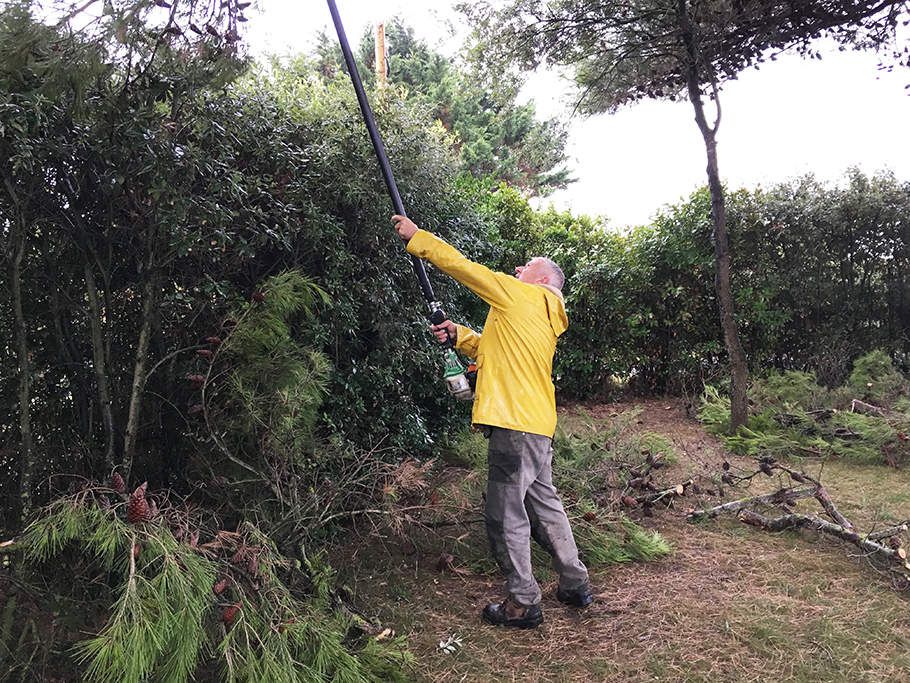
<point x="514" y="354"/>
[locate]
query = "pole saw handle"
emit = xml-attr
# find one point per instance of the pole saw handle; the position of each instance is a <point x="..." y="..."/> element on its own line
<point x="438" y="317"/>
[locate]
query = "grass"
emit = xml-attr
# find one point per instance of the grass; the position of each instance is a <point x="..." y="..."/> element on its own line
<point x="729" y="604"/>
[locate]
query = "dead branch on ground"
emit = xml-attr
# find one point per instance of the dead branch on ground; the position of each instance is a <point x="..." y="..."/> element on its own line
<point x="892" y="553"/>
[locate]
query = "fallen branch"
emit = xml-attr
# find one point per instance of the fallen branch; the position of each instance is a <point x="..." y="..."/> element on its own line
<point x="821" y="495"/>
<point x="857" y="406"/>
<point x="781" y="497"/>
<point x="795" y="521"/>
<point x="668" y="494"/>
<point x="887" y="532"/>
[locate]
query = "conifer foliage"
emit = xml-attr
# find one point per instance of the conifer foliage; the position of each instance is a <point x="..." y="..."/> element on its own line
<point x="867" y="420"/>
<point x="191" y="600"/>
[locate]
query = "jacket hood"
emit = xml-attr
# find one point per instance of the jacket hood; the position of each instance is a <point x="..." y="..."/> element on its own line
<point x="556" y="309"/>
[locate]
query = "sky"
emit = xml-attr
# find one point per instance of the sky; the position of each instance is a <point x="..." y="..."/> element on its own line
<point x="791" y="117"/>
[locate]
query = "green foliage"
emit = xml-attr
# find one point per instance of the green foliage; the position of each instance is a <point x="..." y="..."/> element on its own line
<point x="789" y="388"/>
<point x="657" y="446"/>
<point x="876" y="437"/>
<point x="606" y="541"/>
<point x="654" y="49"/>
<point x="277" y="384"/>
<point x="166" y="623"/>
<point x="493" y="134"/>
<point x="590" y="458"/>
<point x="793" y="416"/>
<point x="874" y="378"/>
<point x="466" y="448"/>
<point x="714" y="410"/>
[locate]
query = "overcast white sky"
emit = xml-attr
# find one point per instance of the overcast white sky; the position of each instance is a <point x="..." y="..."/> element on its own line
<point x="792" y="117"/>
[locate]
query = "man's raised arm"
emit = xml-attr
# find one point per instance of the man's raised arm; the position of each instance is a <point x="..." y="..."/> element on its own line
<point x="494" y="288"/>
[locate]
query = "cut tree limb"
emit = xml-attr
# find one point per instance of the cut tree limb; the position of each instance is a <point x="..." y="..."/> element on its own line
<point x="780" y="497"/>
<point x="667" y="494"/>
<point x="887" y="532"/>
<point x="821" y="495"/>
<point x="795" y="521"/>
<point x="857" y="406"/>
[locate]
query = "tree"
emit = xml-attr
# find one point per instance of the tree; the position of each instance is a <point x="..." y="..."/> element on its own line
<point x="665" y="49"/>
<point x="494" y="134"/>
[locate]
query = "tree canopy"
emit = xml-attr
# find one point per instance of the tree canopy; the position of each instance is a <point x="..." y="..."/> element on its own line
<point x="493" y="134"/>
<point x="621" y="52"/>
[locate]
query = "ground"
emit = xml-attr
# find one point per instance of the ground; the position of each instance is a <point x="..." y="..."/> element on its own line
<point x="731" y="603"/>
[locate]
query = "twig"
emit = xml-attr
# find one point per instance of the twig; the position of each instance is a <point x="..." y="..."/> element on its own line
<point x="75" y="12"/>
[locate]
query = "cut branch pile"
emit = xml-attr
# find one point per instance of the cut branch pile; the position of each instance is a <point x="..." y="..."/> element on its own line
<point x="883" y="547"/>
<point x="641" y="491"/>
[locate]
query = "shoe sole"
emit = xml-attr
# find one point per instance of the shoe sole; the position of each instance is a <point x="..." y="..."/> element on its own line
<point x="523" y="625"/>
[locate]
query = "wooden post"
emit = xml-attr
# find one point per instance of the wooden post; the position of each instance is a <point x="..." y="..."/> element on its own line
<point x="380" y="55"/>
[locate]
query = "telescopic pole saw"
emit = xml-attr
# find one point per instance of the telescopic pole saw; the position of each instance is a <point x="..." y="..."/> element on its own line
<point x="454" y="372"/>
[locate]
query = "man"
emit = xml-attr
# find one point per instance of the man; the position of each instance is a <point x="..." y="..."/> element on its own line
<point x="515" y="404"/>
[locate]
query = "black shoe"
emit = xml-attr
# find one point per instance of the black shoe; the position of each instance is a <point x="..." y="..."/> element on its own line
<point x="580" y="597"/>
<point x="510" y="613"/>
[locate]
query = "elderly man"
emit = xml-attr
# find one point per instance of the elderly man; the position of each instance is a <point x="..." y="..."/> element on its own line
<point x="515" y="405"/>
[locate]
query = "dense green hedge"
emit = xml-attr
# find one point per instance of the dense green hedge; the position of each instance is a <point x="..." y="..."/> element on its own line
<point x="820" y="275"/>
<point x="192" y="187"/>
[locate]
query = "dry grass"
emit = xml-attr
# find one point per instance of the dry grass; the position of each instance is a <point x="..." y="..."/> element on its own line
<point x="731" y="603"/>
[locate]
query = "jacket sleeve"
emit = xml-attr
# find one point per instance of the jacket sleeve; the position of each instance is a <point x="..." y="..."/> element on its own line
<point x="494" y="288"/>
<point x="467" y="341"/>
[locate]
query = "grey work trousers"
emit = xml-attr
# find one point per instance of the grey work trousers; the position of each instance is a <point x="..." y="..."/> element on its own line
<point x="521" y="503"/>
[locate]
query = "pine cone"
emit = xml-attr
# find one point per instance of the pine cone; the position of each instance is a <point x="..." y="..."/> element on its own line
<point x="213" y="340"/>
<point x="230" y="614"/>
<point x="117" y="483"/>
<point x="205" y="353"/>
<point x="196" y="381"/>
<point x="258" y="297"/>
<point x="138" y="508"/>
<point x="220" y="587"/>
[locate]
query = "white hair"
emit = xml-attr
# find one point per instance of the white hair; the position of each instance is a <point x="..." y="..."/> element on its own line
<point x="557" y="277"/>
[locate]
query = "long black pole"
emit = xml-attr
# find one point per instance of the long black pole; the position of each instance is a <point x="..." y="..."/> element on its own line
<point x="381" y="155"/>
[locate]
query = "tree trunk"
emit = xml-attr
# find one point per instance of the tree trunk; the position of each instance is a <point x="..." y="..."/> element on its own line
<point x="149" y="302"/>
<point x="26" y="464"/>
<point x="739" y="408"/>
<point x="68" y="359"/>
<point x="100" y="366"/>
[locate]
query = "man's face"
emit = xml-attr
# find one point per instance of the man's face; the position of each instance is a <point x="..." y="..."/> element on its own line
<point x="534" y="272"/>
